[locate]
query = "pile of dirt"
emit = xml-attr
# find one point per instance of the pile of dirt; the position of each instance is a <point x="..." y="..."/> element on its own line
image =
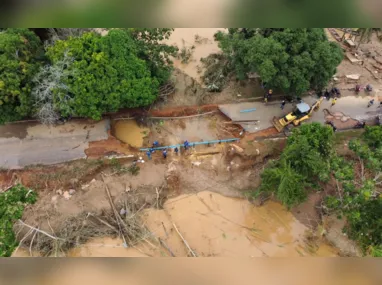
<point x="111" y="146"/>
<point x="184" y="111"/>
<point x="64" y="175"/>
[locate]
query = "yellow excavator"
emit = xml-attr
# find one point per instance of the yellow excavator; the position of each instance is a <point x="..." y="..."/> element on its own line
<point x="302" y="112"/>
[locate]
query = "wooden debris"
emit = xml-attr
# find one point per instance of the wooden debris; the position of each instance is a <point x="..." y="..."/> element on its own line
<point x="166" y="247"/>
<point x="38" y="230"/>
<point x="184" y="241"/>
<point x="238" y="148"/>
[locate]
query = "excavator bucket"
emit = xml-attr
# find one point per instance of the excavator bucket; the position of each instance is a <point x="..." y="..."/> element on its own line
<point x="276" y="123"/>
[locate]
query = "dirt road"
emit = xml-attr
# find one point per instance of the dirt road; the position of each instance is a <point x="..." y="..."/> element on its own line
<point x="26" y="144"/>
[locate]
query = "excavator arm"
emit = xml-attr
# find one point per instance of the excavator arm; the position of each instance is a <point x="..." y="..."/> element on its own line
<point x="315" y="106"/>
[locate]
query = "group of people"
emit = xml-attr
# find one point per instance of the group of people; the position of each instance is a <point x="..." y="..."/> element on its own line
<point x="149" y="153"/>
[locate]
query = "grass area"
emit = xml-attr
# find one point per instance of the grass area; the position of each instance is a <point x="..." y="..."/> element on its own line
<point x="341" y="137"/>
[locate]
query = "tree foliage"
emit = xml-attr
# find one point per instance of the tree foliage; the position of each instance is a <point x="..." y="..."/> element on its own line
<point x="19" y="52"/>
<point x="293" y="60"/>
<point x="360" y="201"/>
<point x="109" y="74"/>
<point x="12" y="205"/>
<point x="285" y="182"/>
<point x="154" y="51"/>
<point x="304" y="161"/>
<point x="373" y="136"/>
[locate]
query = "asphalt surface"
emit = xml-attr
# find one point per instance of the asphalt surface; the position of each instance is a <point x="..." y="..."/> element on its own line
<point x="31" y="143"/>
<point x="351" y="106"/>
<point x="27" y="144"/>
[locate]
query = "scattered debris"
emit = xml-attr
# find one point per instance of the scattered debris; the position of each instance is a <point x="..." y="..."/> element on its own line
<point x="196" y="163"/>
<point x="353" y="76"/>
<point x="66" y="195"/>
<point x="238" y="148"/>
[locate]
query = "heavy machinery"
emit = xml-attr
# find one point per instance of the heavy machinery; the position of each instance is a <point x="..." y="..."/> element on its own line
<point x="302" y="112"/>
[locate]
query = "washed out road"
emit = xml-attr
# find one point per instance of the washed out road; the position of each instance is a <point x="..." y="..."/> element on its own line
<point x="24" y="144"/>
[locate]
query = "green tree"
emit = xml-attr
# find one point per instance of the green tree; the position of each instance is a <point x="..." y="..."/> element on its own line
<point x="109" y="74"/>
<point x="373" y="136"/>
<point x="293" y="60"/>
<point x="319" y="137"/>
<point x="19" y="52"/>
<point x="287" y="184"/>
<point x="154" y="51"/>
<point x="360" y="200"/>
<point x="304" y="161"/>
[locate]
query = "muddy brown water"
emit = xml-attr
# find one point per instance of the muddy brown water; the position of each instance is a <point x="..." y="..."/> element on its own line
<point x="213" y="225"/>
<point x="129" y="132"/>
<point x="185" y="37"/>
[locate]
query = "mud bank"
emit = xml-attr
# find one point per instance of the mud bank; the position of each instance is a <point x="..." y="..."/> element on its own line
<point x="212" y="225"/>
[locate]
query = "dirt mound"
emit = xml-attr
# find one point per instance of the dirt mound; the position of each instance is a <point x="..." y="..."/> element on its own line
<point x="111" y="146"/>
<point x="184" y="111"/>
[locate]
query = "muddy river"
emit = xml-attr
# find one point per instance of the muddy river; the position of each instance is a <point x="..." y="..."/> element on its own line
<point x="202" y="39"/>
<point x="213" y="225"/>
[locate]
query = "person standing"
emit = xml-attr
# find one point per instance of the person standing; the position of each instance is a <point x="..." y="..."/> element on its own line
<point x="176" y="150"/>
<point x="334" y="101"/>
<point x="155" y="144"/>
<point x="282" y="105"/>
<point x="327" y="94"/>
<point x="186" y="144"/>
<point x="164" y="152"/>
<point x="148" y="154"/>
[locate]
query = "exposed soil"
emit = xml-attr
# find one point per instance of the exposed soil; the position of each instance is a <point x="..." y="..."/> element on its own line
<point x="111" y="146"/>
<point x="184" y="111"/>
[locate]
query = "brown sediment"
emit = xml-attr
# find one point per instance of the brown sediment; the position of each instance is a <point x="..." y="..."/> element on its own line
<point x="184" y="111"/>
<point x="110" y="146"/>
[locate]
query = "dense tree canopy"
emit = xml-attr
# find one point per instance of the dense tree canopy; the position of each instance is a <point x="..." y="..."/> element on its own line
<point x="19" y="50"/>
<point x="304" y="161"/>
<point x="109" y="74"/>
<point x="82" y="73"/>
<point x="361" y="199"/>
<point x="293" y="60"/>
<point x="154" y="51"/>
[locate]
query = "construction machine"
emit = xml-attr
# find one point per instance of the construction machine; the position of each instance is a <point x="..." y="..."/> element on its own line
<point x="302" y="112"/>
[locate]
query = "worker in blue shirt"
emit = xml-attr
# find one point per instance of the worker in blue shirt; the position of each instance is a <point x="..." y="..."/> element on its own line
<point x="148" y="154"/>
<point x="155" y="144"/>
<point x="164" y="153"/>
<point x="186" y="145"/>
<point x="176" y="150"/>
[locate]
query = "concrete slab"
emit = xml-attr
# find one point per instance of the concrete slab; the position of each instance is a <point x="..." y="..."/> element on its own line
<point x="25" y="144"/>
<point x="264" y="114"/>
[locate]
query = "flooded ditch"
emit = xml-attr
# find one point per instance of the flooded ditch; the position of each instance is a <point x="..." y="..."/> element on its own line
<point x="129" y="132"/>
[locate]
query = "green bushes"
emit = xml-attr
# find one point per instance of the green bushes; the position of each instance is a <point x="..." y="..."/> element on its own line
<point x="304" y="161"/>
<point x="12" y="204"/>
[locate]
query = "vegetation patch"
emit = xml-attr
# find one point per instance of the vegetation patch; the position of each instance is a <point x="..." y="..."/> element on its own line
<point x="309" y="162"/>
<point x="12" y="204"/>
